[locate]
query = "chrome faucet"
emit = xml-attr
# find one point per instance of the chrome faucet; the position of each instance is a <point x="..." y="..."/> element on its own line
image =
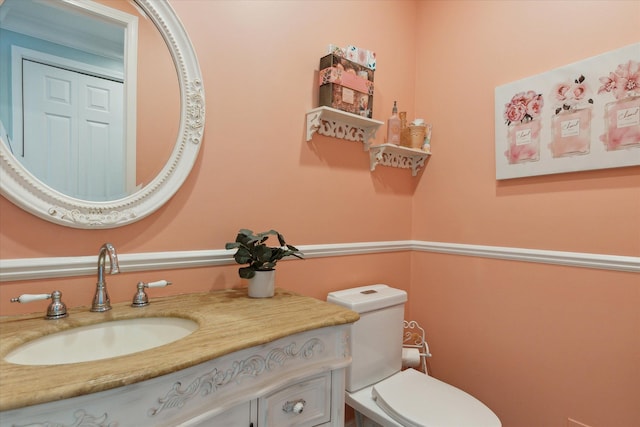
<point x="101" y="300"/>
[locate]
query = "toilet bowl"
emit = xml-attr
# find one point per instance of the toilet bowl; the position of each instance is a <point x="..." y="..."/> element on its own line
<point x="377" y="387"/>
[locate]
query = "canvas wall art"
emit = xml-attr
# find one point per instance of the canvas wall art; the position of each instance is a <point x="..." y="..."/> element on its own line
<point x="578" y="117"/>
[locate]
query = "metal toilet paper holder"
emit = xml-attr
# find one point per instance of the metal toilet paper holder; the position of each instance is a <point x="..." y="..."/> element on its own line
<point x="414" y="338"/>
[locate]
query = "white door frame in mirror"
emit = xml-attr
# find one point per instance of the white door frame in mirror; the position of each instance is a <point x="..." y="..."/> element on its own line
<point x="23" y="189"/>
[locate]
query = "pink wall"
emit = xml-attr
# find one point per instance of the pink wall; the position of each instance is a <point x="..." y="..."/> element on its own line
<point x="255" y="169"/>
<point x="489" y="44"/>
<point x="537" y="343"/>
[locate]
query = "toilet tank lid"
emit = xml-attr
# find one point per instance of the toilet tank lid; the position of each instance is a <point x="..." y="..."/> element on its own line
<point x="368" y="298"/>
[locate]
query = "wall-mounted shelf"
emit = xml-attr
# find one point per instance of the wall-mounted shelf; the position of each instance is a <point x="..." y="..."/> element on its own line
<point x="397" y="157"/>
<point x="328" y="121"/>
<point x="340" y="124"/>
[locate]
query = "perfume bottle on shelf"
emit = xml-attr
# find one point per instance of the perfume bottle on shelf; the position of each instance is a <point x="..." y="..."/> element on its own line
<point x="393" y="126"/>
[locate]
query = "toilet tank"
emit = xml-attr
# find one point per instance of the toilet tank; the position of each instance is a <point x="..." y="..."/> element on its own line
<point x="376" y="339"/>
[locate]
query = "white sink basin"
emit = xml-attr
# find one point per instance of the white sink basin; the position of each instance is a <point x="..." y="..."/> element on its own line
<point x="102" y="341"/>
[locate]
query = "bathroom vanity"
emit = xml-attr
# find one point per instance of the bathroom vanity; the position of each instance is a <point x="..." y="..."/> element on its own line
<point x="252" y="362"/>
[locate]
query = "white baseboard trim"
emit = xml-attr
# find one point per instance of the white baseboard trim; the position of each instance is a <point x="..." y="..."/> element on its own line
<point x="45" y="268"/>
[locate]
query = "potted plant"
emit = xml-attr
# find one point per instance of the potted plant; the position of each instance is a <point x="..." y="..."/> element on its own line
<point x="261" y="259"/>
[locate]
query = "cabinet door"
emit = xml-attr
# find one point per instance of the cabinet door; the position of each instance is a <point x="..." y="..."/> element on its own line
<point x="238" y="416"/>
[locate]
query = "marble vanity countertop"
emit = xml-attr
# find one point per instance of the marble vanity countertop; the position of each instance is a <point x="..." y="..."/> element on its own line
<point x="228" y="321"/>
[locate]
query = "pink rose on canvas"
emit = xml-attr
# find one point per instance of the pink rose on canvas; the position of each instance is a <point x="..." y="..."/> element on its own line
<point x="579" y="91"/>
<point x="534" y="107"/>
<point x="523" y="107"/>
<point x="560" y="91"/>
<point x="571" y="95"/>
<point x="515" y="112"/>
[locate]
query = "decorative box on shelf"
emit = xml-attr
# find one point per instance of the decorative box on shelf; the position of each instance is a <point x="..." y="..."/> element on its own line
<point x="397" y="157"/>
<point x="345" y="85"/>
<point x="331" y="122"/>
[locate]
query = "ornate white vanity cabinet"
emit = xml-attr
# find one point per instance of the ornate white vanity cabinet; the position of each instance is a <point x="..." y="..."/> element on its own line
<point x="252" y="362"/>
<point x="294" y="381"/>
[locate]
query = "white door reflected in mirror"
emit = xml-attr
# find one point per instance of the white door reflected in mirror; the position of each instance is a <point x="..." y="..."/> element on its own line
<point x="73" y="132"/>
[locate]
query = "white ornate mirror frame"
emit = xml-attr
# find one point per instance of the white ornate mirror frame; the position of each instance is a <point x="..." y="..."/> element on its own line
<point x="23" y="189"/>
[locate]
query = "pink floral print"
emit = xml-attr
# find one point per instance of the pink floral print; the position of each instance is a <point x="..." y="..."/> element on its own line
<point x="571" y="95"/>
<point x="622" y="117"/>
<point x="571" y="124"/>
<point x="523" y="128"/>
<point x="623" y="82"/>
<point x="523" y="107"/>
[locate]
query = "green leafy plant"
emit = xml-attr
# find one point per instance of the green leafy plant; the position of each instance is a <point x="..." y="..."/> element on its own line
<point x="252" y="250"/>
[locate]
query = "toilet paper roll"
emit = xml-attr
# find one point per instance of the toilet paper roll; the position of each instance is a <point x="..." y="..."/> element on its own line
<point x="410" y="358"/>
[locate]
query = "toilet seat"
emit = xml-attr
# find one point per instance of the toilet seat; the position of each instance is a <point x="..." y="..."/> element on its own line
<point x="414" y="399"/>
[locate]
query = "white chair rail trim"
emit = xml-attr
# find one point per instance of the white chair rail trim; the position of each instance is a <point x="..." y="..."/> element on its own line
<point x="45" y="268"/>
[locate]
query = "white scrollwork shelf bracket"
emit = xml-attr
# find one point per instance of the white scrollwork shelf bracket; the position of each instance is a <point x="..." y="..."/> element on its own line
<point x="340" y="124"/>
<point x="397" y="157"/>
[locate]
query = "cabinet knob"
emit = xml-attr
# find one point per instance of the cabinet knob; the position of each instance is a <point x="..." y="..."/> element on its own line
<point x="295" y="406"/>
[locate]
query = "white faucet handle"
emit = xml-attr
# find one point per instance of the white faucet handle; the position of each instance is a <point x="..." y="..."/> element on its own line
<point x="140" y="299"/>
<point x="25" y="298"/>
<point x="158" y="284"/>
<point x="56" y="310"/>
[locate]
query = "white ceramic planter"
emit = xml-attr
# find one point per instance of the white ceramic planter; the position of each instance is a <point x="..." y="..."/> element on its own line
<point x="262" y="285"/>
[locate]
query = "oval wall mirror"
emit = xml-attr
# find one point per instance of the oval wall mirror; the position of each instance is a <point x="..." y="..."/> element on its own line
<point x="113" y="169"/>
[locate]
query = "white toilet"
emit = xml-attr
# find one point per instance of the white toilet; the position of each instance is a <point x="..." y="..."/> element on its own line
<point x="376" y="385"/>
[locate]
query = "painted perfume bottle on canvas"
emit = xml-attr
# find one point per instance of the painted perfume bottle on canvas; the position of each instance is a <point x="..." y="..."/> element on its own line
<point x="571" y="123"/>
<point x="622" y="116"/>
<point x="522" y="117"/>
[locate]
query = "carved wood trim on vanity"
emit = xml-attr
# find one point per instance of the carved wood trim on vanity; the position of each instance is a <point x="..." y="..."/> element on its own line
<point x="251" y="366"/>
